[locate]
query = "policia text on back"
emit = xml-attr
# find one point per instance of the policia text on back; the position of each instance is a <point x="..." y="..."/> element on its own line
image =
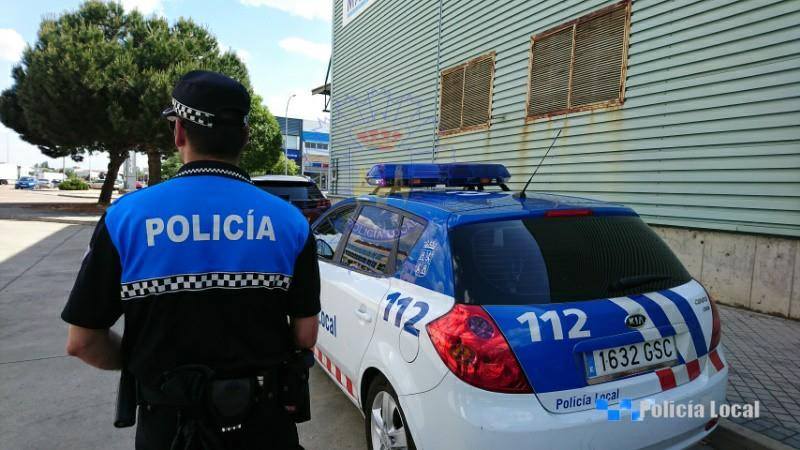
<point x="219" y="286"/>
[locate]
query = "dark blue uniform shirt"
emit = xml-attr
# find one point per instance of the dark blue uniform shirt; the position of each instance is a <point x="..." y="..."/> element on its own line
<point x="206" y="268"/>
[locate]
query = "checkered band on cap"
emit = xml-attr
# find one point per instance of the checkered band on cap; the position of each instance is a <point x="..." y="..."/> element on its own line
<point x="193" y="115"/>
<point x="203" y="281"/>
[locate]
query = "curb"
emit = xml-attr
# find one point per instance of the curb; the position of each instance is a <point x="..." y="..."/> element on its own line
<point x="730" y="435"/>
<point x="90" y="223"/>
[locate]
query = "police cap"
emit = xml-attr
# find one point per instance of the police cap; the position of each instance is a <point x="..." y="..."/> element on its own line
<point x="208" y="99"/>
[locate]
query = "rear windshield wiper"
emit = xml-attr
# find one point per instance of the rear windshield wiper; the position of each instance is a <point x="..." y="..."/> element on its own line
<point x="636" y="280"/>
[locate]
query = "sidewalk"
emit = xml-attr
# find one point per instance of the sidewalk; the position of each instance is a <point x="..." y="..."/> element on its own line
<point x="71" y="207"/>
<point x="764" y="359"/>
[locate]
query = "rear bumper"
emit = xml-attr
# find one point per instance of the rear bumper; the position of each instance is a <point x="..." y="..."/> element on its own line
<point x="456" y="415"/>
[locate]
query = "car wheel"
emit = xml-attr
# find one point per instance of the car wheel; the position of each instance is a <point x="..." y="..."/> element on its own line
<point x="384" y="421"/>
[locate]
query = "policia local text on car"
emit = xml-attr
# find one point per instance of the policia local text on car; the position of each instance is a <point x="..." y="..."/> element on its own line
<point x="219" y="284"/>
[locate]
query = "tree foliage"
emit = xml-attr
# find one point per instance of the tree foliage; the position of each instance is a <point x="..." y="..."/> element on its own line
<point x="97" y="78"/>
<point x="170" y="166"/>
<point x="264" y="148"/>
<point x="73" y="184"/>
<point x="280" y="166"/>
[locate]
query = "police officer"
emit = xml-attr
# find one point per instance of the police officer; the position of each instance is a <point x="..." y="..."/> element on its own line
<point x="216" y="278"/>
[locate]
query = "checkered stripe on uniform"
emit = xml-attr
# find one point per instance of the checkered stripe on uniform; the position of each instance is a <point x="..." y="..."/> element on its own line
<point x="193" y="115"/>
<point x="212" y="171"/>
<point x="202" y="281"/>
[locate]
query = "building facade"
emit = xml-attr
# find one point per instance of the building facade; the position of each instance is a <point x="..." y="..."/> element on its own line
<point x="687" y="111"/>
<point x="291" y="133"/>
<point x="306" y="143"/>
<point x="316" y="151"/>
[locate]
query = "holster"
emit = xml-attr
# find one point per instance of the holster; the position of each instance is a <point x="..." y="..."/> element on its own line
<point x="229" y="402"/>
<point x="294" y="385"/>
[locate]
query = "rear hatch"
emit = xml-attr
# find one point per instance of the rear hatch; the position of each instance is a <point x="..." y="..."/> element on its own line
<point x="302" y="194"/>
<point x="593" y="306"/>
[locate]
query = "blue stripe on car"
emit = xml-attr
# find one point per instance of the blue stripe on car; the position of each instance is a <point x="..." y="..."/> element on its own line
<point x="658" y="315"/>
<point x="691" y="320"/>
<point x="655" y="312"/>
<point x="544" y="362"/>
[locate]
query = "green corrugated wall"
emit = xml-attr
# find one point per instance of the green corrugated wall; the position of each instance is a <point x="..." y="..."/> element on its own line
<point x="708" y="136"/>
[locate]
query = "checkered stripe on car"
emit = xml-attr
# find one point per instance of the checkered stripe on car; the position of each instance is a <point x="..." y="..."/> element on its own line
<point x="202" y="281"/>
<point x="193" y="115"/>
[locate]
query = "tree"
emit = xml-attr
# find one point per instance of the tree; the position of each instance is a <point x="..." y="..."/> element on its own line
<point x="97" y="79"/>
<point x="279" y="168"/>
<point x="64" y="93"/>
<point x="12" y="116"/>
<point x="160" y="55"/>
<point x="170" y="166"/>
<point x="264" y="148"/>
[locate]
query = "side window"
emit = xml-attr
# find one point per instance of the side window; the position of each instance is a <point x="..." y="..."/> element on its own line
<point x="329" y="232"/>
<point x="371" y="242"/>
<point x="410" y="232"/>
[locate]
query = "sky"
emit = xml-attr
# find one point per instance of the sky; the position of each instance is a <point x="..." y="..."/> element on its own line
<point x="285" y="45"/>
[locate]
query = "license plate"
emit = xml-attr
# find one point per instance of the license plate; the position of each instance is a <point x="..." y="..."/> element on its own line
<point x="631" y="358"/>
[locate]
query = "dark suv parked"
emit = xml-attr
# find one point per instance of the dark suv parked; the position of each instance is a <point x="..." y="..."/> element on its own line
<point x="300" y="191"/>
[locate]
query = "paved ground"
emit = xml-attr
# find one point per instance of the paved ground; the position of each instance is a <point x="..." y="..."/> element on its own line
<point x="28" y="196"/>
<point x="53" y="401"/>
<point x="50" y="205"/>
<point x="765" y="366"/>
<point x="57" y="402"/>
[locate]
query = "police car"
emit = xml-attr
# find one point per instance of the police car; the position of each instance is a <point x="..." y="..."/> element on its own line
<point x="459" y="316"/>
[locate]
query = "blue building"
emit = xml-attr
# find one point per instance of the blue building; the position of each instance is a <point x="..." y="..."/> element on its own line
<point x="291" y="139"/>
<point x="307" y="143"/>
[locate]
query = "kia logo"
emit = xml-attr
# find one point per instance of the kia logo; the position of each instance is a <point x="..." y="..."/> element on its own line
<point x="635" y="320"/>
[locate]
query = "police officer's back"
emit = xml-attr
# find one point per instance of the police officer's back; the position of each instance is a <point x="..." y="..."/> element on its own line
<point x="207" y="269"/>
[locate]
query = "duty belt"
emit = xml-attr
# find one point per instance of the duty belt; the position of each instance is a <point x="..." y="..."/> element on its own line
<point x="207" y="404"/>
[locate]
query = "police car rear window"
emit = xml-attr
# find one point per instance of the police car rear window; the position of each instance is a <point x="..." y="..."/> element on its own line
<point x="561" y="259"/>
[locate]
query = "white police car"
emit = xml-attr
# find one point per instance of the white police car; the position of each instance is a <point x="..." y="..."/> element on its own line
<point x="469" y="319"/>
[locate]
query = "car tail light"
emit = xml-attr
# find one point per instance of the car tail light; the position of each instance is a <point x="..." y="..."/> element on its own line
<point x="716" y="326"/>
<point x="474" y="349"/>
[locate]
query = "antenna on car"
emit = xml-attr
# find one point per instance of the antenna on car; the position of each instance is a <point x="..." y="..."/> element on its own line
<point x="522" y="193"/>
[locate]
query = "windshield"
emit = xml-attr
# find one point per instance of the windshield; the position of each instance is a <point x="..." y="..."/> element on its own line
<point x="551" y="260"/>
<point x="26" y="179"/>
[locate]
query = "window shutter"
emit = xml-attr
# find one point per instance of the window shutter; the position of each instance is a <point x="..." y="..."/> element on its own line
<point x="478" y="92"/>
<point x="450" y="106"/>
<point x="599" y="46"/>
<point x="549" y="77"/>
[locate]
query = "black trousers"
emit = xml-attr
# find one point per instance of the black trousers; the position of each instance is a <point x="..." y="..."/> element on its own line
<point x="268" y="427"/>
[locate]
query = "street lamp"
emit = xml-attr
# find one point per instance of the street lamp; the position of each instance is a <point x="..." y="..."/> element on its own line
<point x="286" y="135"/>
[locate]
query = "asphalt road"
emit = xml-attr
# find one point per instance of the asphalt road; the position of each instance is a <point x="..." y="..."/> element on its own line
<point x="52" y="401"/>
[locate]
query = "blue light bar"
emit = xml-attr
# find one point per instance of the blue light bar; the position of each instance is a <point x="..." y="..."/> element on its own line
<point x="428" y="175"/>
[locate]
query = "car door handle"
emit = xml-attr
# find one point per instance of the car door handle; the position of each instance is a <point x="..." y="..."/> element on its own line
<point x="363" y="314"/>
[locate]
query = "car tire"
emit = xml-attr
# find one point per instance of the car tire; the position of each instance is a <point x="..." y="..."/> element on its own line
<point x="385" y="422"/>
